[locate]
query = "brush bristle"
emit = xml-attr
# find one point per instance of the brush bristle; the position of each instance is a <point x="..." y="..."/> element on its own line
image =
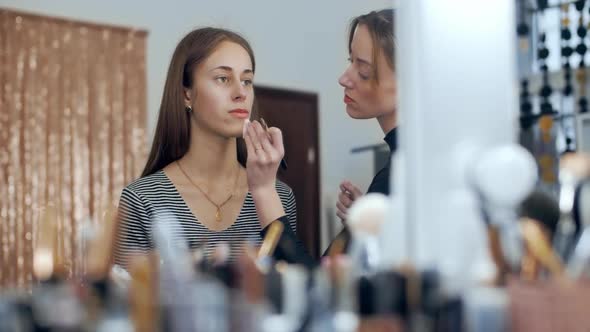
<point x="368" y="213"/>
<point x="581" y="205"/>
<point x="542" y="207"/>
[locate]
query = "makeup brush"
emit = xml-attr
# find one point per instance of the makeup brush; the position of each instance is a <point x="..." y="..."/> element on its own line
<point x="581" y="205"/>
<point x="269" y="244"/>
<point x="367" y="214"/>
<point x="337" y="248"/>
<point x="497" y="255"/>
<point x="539" y="245"/>
<point x="544" y="209"/>
<point x="176" y="273"/>
<point x="265" y="127"/>
<point x="541" y="206"/>
<point x="579" y="262"/>
<point x="501" y="178"/>
<point x="573" y="168"/>
<point x="365" y="218"/>
<point x="578" y="164"/>
<point x="251" y="278"/>
<point x="44" y="255"/>
<point x="580" y="259"/>
<point x="143" y="292"/>
<point x="101" y="252"/>
<point x="529" y="267"/>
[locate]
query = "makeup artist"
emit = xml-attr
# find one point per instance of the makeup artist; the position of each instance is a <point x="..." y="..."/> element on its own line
<point x="370" y="90"/>
<point x="209" y="166"/>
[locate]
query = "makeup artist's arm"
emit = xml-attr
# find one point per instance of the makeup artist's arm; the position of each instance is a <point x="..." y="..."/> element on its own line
<point x="264" y="156"/>
<point x="290" y="248"/>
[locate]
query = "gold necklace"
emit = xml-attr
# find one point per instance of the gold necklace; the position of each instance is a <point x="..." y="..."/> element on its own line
<point x="218" y="206"/>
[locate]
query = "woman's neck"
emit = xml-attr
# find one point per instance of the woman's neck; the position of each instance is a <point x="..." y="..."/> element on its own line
<point x="210" y="157"/>
<point x="387" y="122"/>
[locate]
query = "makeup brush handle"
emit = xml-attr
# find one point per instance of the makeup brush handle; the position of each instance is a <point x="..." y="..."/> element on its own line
<point x="540" y="247"/>
<point x="496" y="253"/>
<point x="580" y="256"/>
<point x="529" y="269"/>
<point x="564" y="238"/>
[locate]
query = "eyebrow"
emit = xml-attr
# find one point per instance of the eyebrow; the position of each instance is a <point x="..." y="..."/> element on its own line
<point x="363" y="61"/>
<point x="226" y="68"/>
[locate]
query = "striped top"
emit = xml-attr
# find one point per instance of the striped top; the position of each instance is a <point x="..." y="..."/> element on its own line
<point x="154" y="195"/>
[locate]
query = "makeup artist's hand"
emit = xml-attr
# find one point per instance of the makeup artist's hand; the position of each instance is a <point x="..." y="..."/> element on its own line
<point x="265" y="151"/>
<point x="348" y="194"/>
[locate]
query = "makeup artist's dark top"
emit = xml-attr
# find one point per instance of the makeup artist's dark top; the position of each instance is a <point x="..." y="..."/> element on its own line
<point x="380" y="183"/>
<point x="155" y="194"/>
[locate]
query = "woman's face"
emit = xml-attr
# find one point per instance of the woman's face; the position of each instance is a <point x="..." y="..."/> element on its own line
<point x="222" y="92"/>
<point x="364" y="98"/>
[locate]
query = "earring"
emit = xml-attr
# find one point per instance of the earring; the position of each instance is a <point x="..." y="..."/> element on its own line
<point x="188" y="109"/>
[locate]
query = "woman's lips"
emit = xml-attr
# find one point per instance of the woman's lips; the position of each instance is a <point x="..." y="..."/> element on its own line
<point x="240" y="113"/>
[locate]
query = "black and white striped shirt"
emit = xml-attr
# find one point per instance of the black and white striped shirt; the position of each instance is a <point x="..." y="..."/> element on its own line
<point x="154" y="195"/>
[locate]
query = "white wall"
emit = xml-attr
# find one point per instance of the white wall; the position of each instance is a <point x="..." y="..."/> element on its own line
<point x="298" y="45"/>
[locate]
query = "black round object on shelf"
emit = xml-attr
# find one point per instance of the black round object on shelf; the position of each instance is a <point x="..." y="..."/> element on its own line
<point x="546" y="108"/>
<point x="526" y="107"/>
<point x="582" y="31"/>
<point x="527" y="121"/>
<point x="543" y="53"/>
<point x="542" y="4"/>
<point x="522" y="29"/>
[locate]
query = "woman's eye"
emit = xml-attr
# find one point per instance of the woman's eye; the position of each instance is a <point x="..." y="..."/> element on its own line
<point x="222" y="79"/>
<point x="247" y="82"/>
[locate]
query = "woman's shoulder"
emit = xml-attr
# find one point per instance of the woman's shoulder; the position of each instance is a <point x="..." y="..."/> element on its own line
<point x="149" y="184"/>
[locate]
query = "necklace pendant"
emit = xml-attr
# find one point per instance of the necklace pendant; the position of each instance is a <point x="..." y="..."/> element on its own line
<point x="218" y="215"/>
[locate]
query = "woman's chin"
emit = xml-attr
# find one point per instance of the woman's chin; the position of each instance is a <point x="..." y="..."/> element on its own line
<point x="232" y="130"/>
<point x="355" y="113"/>
<point x="235" y="134"/>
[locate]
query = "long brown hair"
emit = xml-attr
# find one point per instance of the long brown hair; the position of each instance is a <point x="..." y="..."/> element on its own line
<point x="173" y="131"/>
<point x="381" y="27"/>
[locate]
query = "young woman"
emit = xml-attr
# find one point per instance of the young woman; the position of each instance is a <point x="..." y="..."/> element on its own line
<point x="370" y="91"/>
<point x="220" y="188"/>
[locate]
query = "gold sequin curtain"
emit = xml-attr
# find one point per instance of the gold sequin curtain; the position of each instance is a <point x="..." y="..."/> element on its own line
<point x="72" y="129"/>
